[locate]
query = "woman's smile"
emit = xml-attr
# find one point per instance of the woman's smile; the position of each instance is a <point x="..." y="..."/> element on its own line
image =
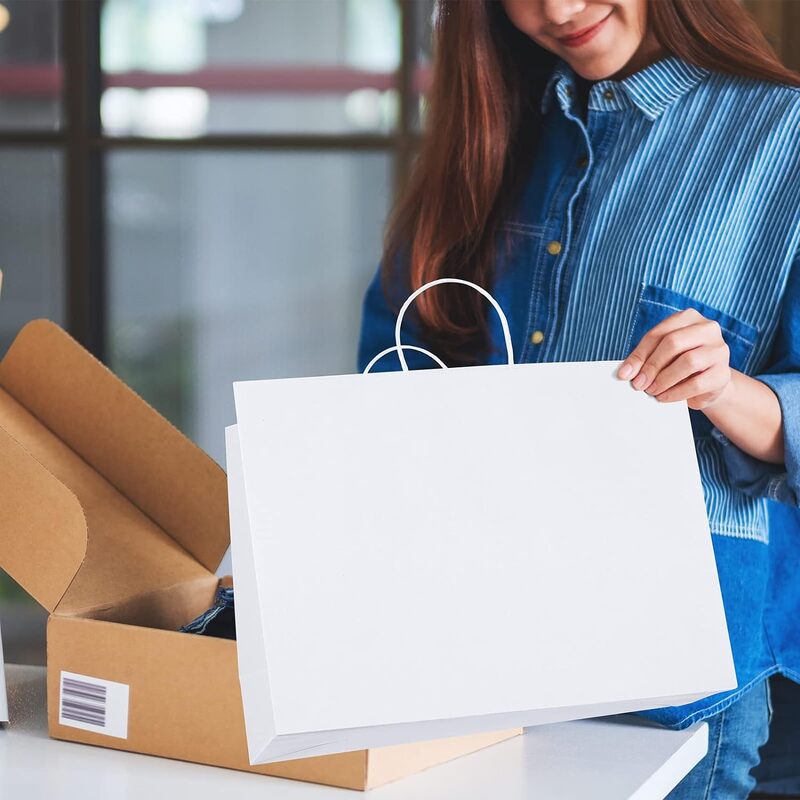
<point x="583" y="36"/>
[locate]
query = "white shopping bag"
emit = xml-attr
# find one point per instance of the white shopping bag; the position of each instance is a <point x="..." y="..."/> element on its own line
<point x="426" y="554"/>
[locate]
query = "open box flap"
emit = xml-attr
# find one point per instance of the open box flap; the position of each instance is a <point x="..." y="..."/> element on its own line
<point x="128" y="557"/>
<point x="171" y="480"/>
<point x="45" y="538"/>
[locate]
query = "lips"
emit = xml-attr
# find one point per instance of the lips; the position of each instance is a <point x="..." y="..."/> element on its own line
<point x="583" y="36"/>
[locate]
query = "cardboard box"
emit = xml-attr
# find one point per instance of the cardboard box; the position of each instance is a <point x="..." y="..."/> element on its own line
<point x="115" y="522"/>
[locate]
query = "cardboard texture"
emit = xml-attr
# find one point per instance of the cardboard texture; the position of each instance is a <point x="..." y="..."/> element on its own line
<point x="115" y="522"/>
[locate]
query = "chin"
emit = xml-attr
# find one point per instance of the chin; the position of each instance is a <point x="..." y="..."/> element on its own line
<point x="597" y="69"/>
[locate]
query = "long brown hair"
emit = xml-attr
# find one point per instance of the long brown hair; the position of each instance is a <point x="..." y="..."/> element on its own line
<point x="481" y="132"/>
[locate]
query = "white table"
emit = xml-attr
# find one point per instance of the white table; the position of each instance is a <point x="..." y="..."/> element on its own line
<point x="609" y="759"/>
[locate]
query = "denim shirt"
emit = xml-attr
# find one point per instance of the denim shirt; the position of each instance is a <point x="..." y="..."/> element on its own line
<point x="679" y="188"/>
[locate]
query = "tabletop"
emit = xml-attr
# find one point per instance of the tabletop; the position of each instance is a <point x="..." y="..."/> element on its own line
<point x="615" y="758"/>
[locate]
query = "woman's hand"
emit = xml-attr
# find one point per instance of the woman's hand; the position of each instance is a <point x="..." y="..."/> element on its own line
<point x="684" y="357"/>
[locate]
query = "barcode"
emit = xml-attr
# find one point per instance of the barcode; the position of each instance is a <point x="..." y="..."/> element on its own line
<point x="83" y="702"/>
<point x="94" y="704"/>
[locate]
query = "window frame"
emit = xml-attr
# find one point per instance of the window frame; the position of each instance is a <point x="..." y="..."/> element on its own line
<point x="85" y="149"/>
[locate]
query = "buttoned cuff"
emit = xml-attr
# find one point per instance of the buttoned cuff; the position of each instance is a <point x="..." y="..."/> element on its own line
<point x="778" y="482"/>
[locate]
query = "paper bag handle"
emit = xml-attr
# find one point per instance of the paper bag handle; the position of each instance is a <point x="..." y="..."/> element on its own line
<point x="388" y="350"/>
<point x="413" y="296"/>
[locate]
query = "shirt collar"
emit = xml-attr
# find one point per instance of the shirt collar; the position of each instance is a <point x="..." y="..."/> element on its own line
<point x="651" y="89"/>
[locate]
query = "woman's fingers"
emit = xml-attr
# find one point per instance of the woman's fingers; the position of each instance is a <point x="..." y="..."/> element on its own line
<point x="632" y="366"/>
<point x="702" y="387"/>
<point x="687" y="364"/>
<point x="684" y="357"/>
<point x="705" y="332"/>
<point x="672" y="344"/>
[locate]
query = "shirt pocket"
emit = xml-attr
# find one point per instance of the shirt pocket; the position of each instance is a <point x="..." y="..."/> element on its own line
<point x="730" y="512"/>
<point x="656" y="303"/>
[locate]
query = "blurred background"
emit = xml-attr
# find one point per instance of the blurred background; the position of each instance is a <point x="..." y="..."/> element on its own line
<point x="196" y="189"/>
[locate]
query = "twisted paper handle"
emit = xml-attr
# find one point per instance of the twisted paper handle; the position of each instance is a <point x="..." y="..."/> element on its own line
<point x="399" y="347"/>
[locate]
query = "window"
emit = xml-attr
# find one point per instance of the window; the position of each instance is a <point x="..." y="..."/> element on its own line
<point x="196" y="189"/>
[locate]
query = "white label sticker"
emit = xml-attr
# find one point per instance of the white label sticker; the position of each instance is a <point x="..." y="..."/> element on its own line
<point x="93" y="704"/>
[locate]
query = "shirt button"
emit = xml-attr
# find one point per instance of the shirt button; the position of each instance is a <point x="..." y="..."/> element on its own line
<point x="554" y="248"/>
<point x="608" y="94"/>
<point x="537" y="337"/>
<point x="583" y="162"/>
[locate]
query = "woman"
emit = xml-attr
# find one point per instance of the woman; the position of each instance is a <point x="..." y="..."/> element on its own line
<point x="624" y="177"/>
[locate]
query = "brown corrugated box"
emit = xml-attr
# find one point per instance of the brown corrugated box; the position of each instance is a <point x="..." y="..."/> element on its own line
<point x="115" y="522"/>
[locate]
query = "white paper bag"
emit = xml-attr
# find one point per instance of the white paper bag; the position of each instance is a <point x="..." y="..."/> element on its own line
<point x="433" y="553"/>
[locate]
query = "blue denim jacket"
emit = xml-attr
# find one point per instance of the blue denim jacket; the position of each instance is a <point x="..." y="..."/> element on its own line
<point x="680" y="188"/>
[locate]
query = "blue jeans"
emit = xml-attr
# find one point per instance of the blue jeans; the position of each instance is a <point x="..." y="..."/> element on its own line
<point x="735" y="736"/>
<point x="778" y="774"/>
<point x="739" y="757"/>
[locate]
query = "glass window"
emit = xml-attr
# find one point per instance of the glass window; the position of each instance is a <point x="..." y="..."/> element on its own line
<point x="424" y="13"/>
<point x="31" y="258"/>
<point x="232" y="266"/>
<point x="31" y="239"/>
<point x="30" y="68"/>
<point x="176" y="68"/>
